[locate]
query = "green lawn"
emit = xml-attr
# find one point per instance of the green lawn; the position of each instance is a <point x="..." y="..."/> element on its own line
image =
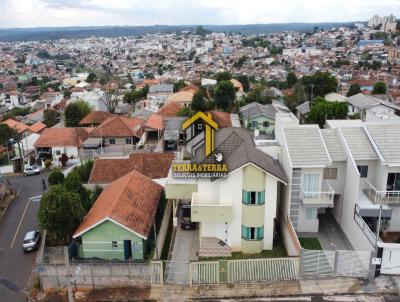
<point x="310" y="243"/>
<point x="277" y="252"/>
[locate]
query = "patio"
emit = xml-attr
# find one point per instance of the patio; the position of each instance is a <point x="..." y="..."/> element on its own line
<point x="330" y="235"/>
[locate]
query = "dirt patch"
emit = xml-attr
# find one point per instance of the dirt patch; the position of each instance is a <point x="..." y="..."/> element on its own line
<point x="119" y="294"/>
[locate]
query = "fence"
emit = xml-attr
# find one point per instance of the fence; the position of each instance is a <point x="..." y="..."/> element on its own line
<point x="205" y="272"/>
<point x="320" y="264"/>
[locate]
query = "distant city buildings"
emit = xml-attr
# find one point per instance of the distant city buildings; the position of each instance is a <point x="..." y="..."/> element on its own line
<point x="385" y="24"/>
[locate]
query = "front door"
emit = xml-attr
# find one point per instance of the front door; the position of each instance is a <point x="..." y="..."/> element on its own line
<point x="127" y="250"/>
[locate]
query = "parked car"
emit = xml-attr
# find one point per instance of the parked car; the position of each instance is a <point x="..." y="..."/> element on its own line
<point x="31" y="241"/>
<point x="186" y="219"/>
<point x="31" y="170"/>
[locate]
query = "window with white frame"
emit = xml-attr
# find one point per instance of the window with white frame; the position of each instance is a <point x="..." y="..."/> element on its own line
<point x="311" y="213"/>
<point x="330" y="173"/>
<point x="363" y="169"/>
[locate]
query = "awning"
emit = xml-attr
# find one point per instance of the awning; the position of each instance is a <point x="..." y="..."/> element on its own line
<point x="372" y="210"/>
<point x="92" y="143"/>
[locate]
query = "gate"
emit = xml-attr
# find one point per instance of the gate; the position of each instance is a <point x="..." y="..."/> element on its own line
<point x="176" y="272"/>
<point x="320" y="264"/>
<point x="156" y="273"/>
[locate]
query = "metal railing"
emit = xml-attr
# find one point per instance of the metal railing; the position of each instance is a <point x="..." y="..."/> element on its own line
<point x="325" y="196"/>
<point x="364" y="227"/>
<point x="381" y="197"/>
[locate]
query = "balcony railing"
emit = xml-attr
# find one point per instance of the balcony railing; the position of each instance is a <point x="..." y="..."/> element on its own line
<point x="381" y="197"/>
<point x="371" y="236"/>
<point x="323" y="198"/>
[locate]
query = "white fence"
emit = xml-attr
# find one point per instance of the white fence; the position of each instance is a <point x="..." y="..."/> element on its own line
<point x="320" y="264"/>
<point x="204" y="272"/>
<point x="6" y="169"/>
<point x="263" y="270"/>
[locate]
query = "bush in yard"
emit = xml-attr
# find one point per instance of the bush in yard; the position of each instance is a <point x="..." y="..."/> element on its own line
<point x="73" y="183"/>
<point x="56" y="177"/>
<point x="84" y="170"/>
<point x="47" y="163"/>
<point x="60" y="212"/>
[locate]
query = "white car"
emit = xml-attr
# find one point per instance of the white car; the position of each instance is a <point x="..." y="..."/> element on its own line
<point x="31" y="170"/>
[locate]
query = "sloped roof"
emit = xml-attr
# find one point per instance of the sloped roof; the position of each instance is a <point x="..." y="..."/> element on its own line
<point x="306" y="146"/>
<point x="238" y="149"/>
<point x="387" y="140"/>
<point x="256" y="109"/>
<point x="95" y="118"/>
<point x="20" y="127"/>
<point x="119" y="126"/>
<point x="334" y="144"/>
<point x="303" y="108"/>
<point x="359" y="144"/>
<point x="152" y="165"/>
<point x="131" y="201"/>
<point x="37" y="127"/>
<point x="223" y="119"/>
<point x="58" y="137"/>
<point x="155" y="122"/>
<point x="181" y="96"/>
<point x="362" y="101"/>
<point x="170" y="109"/>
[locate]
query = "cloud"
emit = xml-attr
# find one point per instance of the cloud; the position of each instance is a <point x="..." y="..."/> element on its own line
<point x="33" y="13"/>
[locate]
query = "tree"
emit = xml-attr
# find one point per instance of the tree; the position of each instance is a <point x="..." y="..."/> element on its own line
<point x="319" y="84"/>
<point x="184" y="111"/>
<point x="244" y="80"/>
<point x="60" y="212"/>
<point x="73" y="183"/>
<point x="198" y="101"/>
<point x="111" y="96"/>
<point x="321" y="110"/>
<point x="50" y="117"/>
<point x="91" y="78"/>
<point x="291" y="79"/>
<point x="223" y="76"/>
<point x="353" y="89"/>
<point x="6" y="133"/>
<point x="224" y="95"/>
<point x="56" y="177"/>
<point x="379" y="88"/>
<point x="179" y="85"/>
<point x="259" y="95"/>
<point x="75" y="112"/>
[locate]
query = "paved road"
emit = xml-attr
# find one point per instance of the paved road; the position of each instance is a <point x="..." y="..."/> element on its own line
<point x="339" y="298"/>
<point x="19" y="218"/>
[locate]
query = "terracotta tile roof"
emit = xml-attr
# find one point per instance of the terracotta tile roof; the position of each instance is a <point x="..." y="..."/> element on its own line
<point x="152" y="165"/>
<point x="170" y="109"/>
<point x="155" y="122"/>
<point x="131" y="201"/>
<point x="20" y="127"/>
<point x="52" y="137"/>
<point x="95" y="118"/>
<point x="151" y="82"/>
<point x="181" y="96"/>
<point x="119" y="126"/>
<point x="223" y="119"/>
<point x="190" y="88"/>
<point x="37" y="127"/>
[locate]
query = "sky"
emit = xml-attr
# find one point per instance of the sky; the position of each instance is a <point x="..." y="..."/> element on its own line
<point x="51" y="13"/>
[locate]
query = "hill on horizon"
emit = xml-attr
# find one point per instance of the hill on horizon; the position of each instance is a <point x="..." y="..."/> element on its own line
<point x="76" y="32"/>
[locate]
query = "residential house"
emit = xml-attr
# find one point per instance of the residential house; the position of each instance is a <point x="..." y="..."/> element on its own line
<point x="182" y="97"/>
<point x="120" y="222"/>
<point x="22" y="129"/>
<point x="58" y="141"/>
<point x="95" y="118"/>
<point x="236" y="213"/>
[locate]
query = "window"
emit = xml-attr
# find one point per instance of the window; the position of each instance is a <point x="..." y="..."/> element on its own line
<point x="128" y="141"/>
<point x="311" y="214"/>
<point x="265" y="124"/>
<point x="363" y="171"/>
<point x="330" y="173"/>
<point x="112" y="141"/>
<point x="114" y="244"/>
<point x="200" y="127"/>
<point x="310" y="185"/>
<point x="254" y="124"/>
<point x="58" y="152"/>
<point x="253" y="197"/>
<point x="252" y="233"/>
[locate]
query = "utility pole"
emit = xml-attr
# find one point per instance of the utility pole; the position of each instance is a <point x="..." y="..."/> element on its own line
<point x="67" y="269"/>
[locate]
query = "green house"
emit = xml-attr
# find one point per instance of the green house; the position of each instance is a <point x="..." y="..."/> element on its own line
<point x="120" y="221"/>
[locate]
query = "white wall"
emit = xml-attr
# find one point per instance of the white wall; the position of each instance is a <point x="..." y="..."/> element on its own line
<point x="271" y="188"/>
<point x="68" y="150"/>
<point x="390" y="259"/>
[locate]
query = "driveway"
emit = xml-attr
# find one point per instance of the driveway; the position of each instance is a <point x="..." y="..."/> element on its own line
<point x="330" y="235"/>
<point x="20" y="217"/>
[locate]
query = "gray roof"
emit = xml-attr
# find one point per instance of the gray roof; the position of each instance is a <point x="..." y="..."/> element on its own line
<point x="387" y="140"/>
<point x="334" y="144"/>
<point x="161" y="88"/>
<point x="174" y="123"/>
<point x="304" y="108"/>
<point x="238" y="149"/>
<point x="306" y="146"/>
<point x="362" y="101"/>
<point x="359" y="144"/>
<point x="256" y="109"/>
<point x="143" y="113"/>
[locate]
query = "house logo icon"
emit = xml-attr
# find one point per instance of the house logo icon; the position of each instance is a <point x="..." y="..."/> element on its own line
<point x="203" y="122"/>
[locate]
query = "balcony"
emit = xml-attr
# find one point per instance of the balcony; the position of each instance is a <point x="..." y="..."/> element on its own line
<point x="321" y="199"/>
<point x="381" y="197"/>
<point x="203" y="211"/>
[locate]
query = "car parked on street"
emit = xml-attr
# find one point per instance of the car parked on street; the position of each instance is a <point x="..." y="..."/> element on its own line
<point x="31" y="170"/>
<point x="31" y="241"/>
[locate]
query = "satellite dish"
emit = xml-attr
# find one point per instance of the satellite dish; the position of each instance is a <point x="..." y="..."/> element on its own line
<point x="256" y="132"/>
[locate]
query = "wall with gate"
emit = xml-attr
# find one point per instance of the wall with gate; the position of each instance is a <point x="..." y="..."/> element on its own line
<point x="390" y="258"/>
<point x="319" y="264"/>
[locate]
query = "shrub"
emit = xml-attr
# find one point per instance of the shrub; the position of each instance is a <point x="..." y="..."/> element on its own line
<point x="47" y="163"/>
<point x="56" y="177"/>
